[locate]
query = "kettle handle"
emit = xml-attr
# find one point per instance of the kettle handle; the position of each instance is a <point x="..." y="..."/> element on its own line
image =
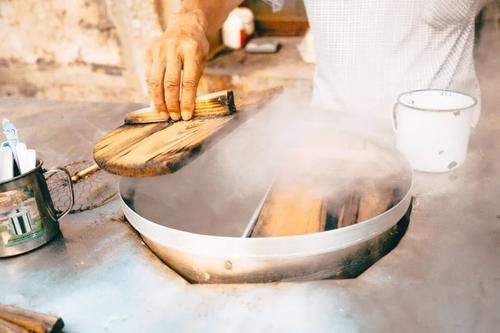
<point x="70" y="184"/>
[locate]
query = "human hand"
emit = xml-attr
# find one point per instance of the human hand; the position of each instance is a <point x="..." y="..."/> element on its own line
<point x="175" y="62"/>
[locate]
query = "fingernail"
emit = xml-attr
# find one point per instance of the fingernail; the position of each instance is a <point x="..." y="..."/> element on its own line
<point x="186" y="115"/>
<point x="175" y="116"/>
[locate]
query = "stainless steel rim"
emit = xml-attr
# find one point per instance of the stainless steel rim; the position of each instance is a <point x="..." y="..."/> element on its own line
<point x="290" y="246"/>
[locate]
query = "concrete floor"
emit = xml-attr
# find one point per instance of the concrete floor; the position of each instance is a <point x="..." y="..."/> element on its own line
<point x="443" y="277"/>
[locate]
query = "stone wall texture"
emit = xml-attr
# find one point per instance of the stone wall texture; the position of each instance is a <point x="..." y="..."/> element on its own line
<point x="55" y="31"/>
<point x="78" y="49"/>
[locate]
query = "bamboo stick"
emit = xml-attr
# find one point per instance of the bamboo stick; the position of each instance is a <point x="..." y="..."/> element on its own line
<point x="84" y="173"/>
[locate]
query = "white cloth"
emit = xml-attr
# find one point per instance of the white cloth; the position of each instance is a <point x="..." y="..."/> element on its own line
<point x="369" y="52"/>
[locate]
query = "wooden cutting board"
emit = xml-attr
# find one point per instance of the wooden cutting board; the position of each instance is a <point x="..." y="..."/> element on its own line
<point x="137" y="150"/>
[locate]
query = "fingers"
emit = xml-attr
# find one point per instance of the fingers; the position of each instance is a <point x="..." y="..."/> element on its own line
<point x="174" y="65"/>
<point x="193" y="69"/>
<point x="155" y="81"/>
<point x="172" y="83"/>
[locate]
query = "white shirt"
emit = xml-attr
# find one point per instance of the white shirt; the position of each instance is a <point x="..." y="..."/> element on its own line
<point x="368" y="52"/>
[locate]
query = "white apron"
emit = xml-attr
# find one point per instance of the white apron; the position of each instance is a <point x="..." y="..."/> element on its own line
<point x="368" y="52"/>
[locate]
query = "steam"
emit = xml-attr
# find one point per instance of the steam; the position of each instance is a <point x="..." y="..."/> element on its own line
<point x="332" y="153"/>
<point x="291" y="142"/>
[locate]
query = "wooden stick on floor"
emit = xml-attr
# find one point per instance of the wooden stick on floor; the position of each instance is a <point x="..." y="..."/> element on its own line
<point x="8" y="327"/>
<point x="28" y="323"/>
<point x="52" y="323"/>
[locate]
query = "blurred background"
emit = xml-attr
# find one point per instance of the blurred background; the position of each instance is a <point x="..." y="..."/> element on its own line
<point x="93" y="49"/>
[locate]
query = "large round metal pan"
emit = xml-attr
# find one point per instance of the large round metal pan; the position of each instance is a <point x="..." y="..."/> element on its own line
<point x="342" y="253"/>
<point x="193" y="220"/>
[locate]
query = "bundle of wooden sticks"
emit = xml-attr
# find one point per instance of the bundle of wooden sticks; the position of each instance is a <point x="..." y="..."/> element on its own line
<point x="217" y="104"/>
<point x="17" y="320"/>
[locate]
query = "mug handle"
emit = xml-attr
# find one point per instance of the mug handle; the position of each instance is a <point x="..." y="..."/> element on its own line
<point x="71" y="193"/>
<point x="394" y="118"/>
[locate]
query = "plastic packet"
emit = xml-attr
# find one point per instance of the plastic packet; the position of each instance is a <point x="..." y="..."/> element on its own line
<point x="277" y="5"/>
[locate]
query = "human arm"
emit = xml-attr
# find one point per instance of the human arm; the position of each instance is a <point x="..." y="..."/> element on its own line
<point x="175" y="61"/>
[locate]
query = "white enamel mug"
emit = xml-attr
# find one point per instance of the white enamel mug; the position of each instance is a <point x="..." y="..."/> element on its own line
<point x="433" y="127"/>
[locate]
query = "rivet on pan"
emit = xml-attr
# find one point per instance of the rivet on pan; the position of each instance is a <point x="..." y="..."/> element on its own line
<point x="228" y="264"/>
<point x="456" y="113"/>
<point x="206" y="276"/>
<point x="452" y="165"/>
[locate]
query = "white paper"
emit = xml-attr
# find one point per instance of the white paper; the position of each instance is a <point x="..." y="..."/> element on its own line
<point x="6" y="164"/>
<point x="29" y="161"/>
<point x="26" y="157"/>
<point x="277" y="5"/>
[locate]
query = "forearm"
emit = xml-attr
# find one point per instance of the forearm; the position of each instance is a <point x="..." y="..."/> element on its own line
<point x="212" y="13"/>
<point x="175" y="61"/>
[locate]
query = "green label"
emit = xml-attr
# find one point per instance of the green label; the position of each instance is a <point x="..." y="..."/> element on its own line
<point x="20" y="220"/>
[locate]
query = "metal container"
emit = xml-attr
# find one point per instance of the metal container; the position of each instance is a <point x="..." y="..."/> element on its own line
<point x="196" y="232"/>
<point x="28" y="219"/>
